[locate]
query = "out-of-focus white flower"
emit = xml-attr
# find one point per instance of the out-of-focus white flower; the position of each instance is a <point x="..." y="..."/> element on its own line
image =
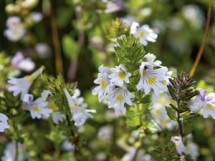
<point x="114" y="6"/>
<point x="22" y="85"/>
<point x="43" y="50"/>
<point x="58" y="117"/>
<point x="204" y="101"/>
<point x="21" y="63"/>
<point x="37" y="108"/>
<point x="101" y="156"/>
<point x="192" y="148"/>
<point x="36" y="16"/>
<point x="119" y="75"/>
<point x="105" y="133"/>
<point x="127" y="20"/>
<point x="151" y="78"/>
<point x="159" y="112"/>
<point x="117" y="97"/>
<point x="15" y="29"/>
<point x="78" y="108"/>
<point x="10" y="152"/>
<point x="143" y="33"/>
<point x="177" y="140"/>
<point x="68" y="146"/>
<point x="3" y="122"/>
<point x="29" y="3"/>
<point x="103" y="81"/>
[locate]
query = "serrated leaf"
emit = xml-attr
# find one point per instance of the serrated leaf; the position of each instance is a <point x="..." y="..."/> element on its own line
<point x="171" y="113"/>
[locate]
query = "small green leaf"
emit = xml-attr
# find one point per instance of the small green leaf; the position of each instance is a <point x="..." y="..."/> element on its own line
<point x="70" y="47"/>
<point x="171" y="113"/>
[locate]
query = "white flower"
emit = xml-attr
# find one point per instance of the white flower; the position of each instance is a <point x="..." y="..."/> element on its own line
<point x="3" y="122"/>
<point x="10" y="152"/>
<point x="144" y="33"/>
<point x="37" y="108"/>
<point x="22" y="85"/>
<point x="204" y="101"/>
<point x="68" y="146"/>
<point x="78" y="109"/>
<point x="119" y="75"/>
<point x="21" y="63"/>
<point x="152" y="78"/>
<point x="103" y="81"/>
<point x="117" y="98"/>
<point x="179" y="144"/>
<point x="15" y="30"/>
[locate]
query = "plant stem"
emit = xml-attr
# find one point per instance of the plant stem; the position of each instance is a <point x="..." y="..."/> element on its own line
<point x="180" y="127"/>
<point x="56" y="43"/>
<point x="201" y="49"/>
<point x="17" y="151"/>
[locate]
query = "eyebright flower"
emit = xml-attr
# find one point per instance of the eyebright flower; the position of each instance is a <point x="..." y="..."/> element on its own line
<point x="15" y="30"/>
<point x="119" y="75"/>
<point x="37" y="108"/>
<point x="3" y="122"/>
<point x="204" y="101"/>
<point x="179" y="144"/>
<point x="78" y="108"/>
<point x="151" y="78"/>
<point x="143" y="33"/>
<point x="21" y="63"/>
<point x="117" y="97"/>
<point x="103" y="81"/>
<point x="150" y="58"/>
<point x="22" y="85"/>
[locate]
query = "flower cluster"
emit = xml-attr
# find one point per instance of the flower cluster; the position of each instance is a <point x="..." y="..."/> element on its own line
<point x="78" y="108"/>
<point x="112" y="87"/>
<point x="112" y="83"/>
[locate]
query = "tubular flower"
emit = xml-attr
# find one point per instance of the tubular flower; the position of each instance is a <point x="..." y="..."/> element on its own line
<point x="78" y="108"/>
<point x="143" y="33"/>
<point x="22" y="85"/>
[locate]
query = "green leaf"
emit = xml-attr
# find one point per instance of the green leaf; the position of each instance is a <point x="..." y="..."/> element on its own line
<point x="70" y="47"/>
<point x="171" y="112"/>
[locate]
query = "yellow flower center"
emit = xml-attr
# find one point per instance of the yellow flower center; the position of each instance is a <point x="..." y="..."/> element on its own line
<point x="36" y="108"/>
<point x="209" y="106"/>
<point x="145" y="72"/>
<point x="30" y="78"/>
<point x="74" y="107"/>
<point x="104" y="83"/>
<point x="120" y="98"/>
<point x="152" y="80"/>
<point x="122" y="74"/>
<point x="142" y="34"/>
<point x="52" y="106"/>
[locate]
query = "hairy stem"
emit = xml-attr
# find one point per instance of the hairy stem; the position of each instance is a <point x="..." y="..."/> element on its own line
<point x="201" y="49"/>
